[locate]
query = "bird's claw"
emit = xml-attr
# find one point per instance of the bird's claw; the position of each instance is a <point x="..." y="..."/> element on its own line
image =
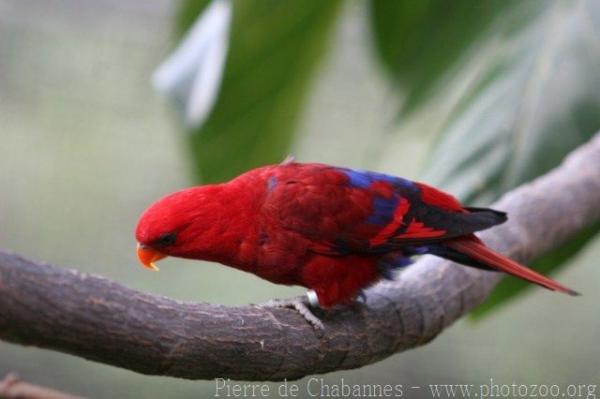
<point x="299" y="305"/>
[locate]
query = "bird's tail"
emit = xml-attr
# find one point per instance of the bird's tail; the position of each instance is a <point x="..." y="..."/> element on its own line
<point x="474" y="249"/>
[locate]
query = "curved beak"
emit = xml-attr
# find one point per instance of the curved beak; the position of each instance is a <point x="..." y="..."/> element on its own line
<point x="148" y="256"/>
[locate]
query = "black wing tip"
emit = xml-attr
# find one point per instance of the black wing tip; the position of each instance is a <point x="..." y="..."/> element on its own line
<point x="496" y="212"/>
<point x="563" y="290"/>
<point x="573" y="292"/>
<point x="492" y="216"/>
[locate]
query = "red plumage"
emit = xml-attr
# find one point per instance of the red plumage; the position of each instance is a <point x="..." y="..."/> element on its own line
<point x="333" y="230"/>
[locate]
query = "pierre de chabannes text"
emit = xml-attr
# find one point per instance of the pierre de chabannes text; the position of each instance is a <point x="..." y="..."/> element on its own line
<point x="321" y="388"/>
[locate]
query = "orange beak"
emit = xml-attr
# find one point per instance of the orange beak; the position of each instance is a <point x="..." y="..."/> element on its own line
<point x="148" y="256"/>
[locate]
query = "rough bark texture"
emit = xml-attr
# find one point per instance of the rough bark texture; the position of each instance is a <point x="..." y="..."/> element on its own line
<point x="100" y="320"/>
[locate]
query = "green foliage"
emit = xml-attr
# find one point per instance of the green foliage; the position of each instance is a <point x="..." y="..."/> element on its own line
<point x="187" y="14"/>
<point x="419" y="41"/>
<point x="274" y="49"/>
<point x="534" y="100"/>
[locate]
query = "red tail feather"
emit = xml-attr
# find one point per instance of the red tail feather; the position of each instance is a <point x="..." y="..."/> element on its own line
<point x="476" y="249"/>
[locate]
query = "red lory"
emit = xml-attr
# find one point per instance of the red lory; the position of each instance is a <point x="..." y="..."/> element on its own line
<point x="333" y="230"/>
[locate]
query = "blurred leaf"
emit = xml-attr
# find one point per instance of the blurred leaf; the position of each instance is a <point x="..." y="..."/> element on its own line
<point x="419" y="41"/>
<point x="535" y="99"/>
<point x="274" y="49"/>
<point x="187" y="14"/>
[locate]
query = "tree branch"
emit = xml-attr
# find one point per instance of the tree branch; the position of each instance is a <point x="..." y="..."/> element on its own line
<point x="92" y="317"/>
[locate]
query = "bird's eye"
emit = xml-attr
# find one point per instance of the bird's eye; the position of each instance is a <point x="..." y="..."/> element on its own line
<point x="165" y="240"/>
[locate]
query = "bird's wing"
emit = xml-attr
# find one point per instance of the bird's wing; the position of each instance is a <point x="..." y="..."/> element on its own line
<point x="343" y="211"/>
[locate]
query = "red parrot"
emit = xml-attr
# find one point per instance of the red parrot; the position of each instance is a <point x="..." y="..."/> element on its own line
<point x="333" y="230"/>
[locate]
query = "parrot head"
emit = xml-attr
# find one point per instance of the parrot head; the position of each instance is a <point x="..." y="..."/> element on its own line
<point x="180" y="224"/>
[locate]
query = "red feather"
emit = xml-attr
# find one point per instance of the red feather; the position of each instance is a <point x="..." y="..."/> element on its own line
<point x="417" y="229"/>
<point x="434" y="197"/>
<point x="476" y="249"/>
<point x="388" y="231"/>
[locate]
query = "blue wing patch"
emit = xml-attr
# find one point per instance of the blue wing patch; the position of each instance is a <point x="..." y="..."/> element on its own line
<point x="363" y="178"/>
<point x="357" y="179"/>
<point x="383" y="210"/>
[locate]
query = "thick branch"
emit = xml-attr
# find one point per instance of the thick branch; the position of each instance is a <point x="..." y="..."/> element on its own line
<point x="101" y="320"/>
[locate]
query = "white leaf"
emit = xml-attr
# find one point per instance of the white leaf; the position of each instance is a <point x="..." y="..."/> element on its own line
<point x="191" y="76"/>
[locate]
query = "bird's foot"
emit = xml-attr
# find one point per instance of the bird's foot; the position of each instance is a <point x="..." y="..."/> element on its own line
<point x="301" y="306"/>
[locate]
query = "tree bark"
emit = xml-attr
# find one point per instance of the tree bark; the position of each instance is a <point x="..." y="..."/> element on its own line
<point x="101" y="320"/>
